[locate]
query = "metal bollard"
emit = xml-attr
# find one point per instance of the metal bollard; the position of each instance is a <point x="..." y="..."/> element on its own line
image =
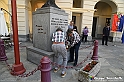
<point x="95" y="51"/>
<point x="45" y="69"/>
<point x="3" y="56"/>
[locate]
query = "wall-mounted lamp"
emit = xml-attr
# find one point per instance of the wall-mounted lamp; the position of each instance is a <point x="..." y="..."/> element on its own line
<point x="96" y="10"/>
<point x="1" y="9"/>
<point x="6" y="11"/>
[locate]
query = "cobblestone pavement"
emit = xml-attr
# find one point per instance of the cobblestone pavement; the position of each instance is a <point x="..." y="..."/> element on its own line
<point x="111" y="58"/>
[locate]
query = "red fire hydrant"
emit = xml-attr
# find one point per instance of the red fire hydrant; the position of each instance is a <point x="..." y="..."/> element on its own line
<point x="3" y="56"/>
<point x="95" y="51"/>
<point x="45" y="69"/>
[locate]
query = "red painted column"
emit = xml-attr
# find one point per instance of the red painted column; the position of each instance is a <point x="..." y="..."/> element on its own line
<point x="3" y="56"/>
<point x="18" y="66"/>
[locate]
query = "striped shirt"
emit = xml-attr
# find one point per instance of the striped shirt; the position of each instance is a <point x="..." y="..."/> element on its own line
<point x="58" y="37"/>
<point x="74" y="39"/>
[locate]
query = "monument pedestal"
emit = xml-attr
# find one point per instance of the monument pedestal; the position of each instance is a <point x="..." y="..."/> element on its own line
<point x="34" y="55"/>
<point x="45" y="21"/>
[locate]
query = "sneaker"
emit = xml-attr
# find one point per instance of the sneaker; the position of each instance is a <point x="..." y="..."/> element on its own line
<point x="74" y="64"/>
<point x="56" y="70"/>
<point x="63" y="74"/>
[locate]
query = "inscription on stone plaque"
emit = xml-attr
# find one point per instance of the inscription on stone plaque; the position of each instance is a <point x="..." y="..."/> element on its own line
<point x="58" y="22"/>
<point x="40" y="29"/>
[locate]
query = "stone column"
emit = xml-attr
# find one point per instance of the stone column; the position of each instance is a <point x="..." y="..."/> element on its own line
<point x="87" y="16"/>
<point x="66" y="5"/>
<point x="87" y="19"/>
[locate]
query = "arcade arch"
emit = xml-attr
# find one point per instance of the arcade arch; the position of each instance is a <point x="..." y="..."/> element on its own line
<point x="100" y="11"/>
<point x="33" y="5"/>
<point x="103" y="14"/>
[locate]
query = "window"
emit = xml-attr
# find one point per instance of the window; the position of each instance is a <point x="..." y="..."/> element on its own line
<point x="77" y="3"/>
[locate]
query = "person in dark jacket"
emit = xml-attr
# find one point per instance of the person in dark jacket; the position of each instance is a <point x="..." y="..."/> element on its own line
<point x="75" y="28"/>
<point x="106" y="32"/>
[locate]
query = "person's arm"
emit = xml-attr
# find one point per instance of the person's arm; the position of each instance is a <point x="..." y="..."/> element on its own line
<point x="83" y="31"/>
<point x="53" y="37"/>
<point x="109" y="30"/>
<point x="75" y="28"/>
<point x="87" y="31"/>
<point x="67" y="42"/>
<point x="104" y="31"/>
<point x="68" y="26"/>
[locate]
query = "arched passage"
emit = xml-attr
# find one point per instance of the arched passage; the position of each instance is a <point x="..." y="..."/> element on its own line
<point x="104" y="11"/>
<point x="33" y="5"/>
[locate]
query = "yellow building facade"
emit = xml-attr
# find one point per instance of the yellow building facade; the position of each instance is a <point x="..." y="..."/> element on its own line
<point x="92" y="13"/>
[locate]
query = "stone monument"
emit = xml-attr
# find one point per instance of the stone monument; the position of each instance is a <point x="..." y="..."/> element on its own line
<point x="45" y="21"/>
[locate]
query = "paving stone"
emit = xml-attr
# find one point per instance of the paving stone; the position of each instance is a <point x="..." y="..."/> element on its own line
<point x="115" y="62"/>
<point x="104" y="62"/>
<point x="118" y="72"/>
<point x="121" y="58"/>
<point x="105" y="73"/>
<point x="111" y="58"/>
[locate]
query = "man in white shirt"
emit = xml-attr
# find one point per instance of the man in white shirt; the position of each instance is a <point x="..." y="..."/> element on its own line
<point x="71" y="25"/>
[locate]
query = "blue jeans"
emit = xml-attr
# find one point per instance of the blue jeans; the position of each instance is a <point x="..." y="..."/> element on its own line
<point x="75" y="49"/>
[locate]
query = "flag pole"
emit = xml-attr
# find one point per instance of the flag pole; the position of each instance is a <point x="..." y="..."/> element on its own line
<point x="18" y="67"/>
<point x="122" y="35"/>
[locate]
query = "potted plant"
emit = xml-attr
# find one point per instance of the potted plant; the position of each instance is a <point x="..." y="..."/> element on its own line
<point x="90" y="69"/>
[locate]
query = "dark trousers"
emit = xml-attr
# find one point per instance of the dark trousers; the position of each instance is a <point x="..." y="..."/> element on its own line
<point x="105" y="38"/>
<point x="84" y="37"/>
<point x="75" y="49"/>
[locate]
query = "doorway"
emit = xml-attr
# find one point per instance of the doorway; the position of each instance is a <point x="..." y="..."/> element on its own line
<point x="76" y="17"/>
<point x="94" y="27"/>
<point x="103" y="11"/>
